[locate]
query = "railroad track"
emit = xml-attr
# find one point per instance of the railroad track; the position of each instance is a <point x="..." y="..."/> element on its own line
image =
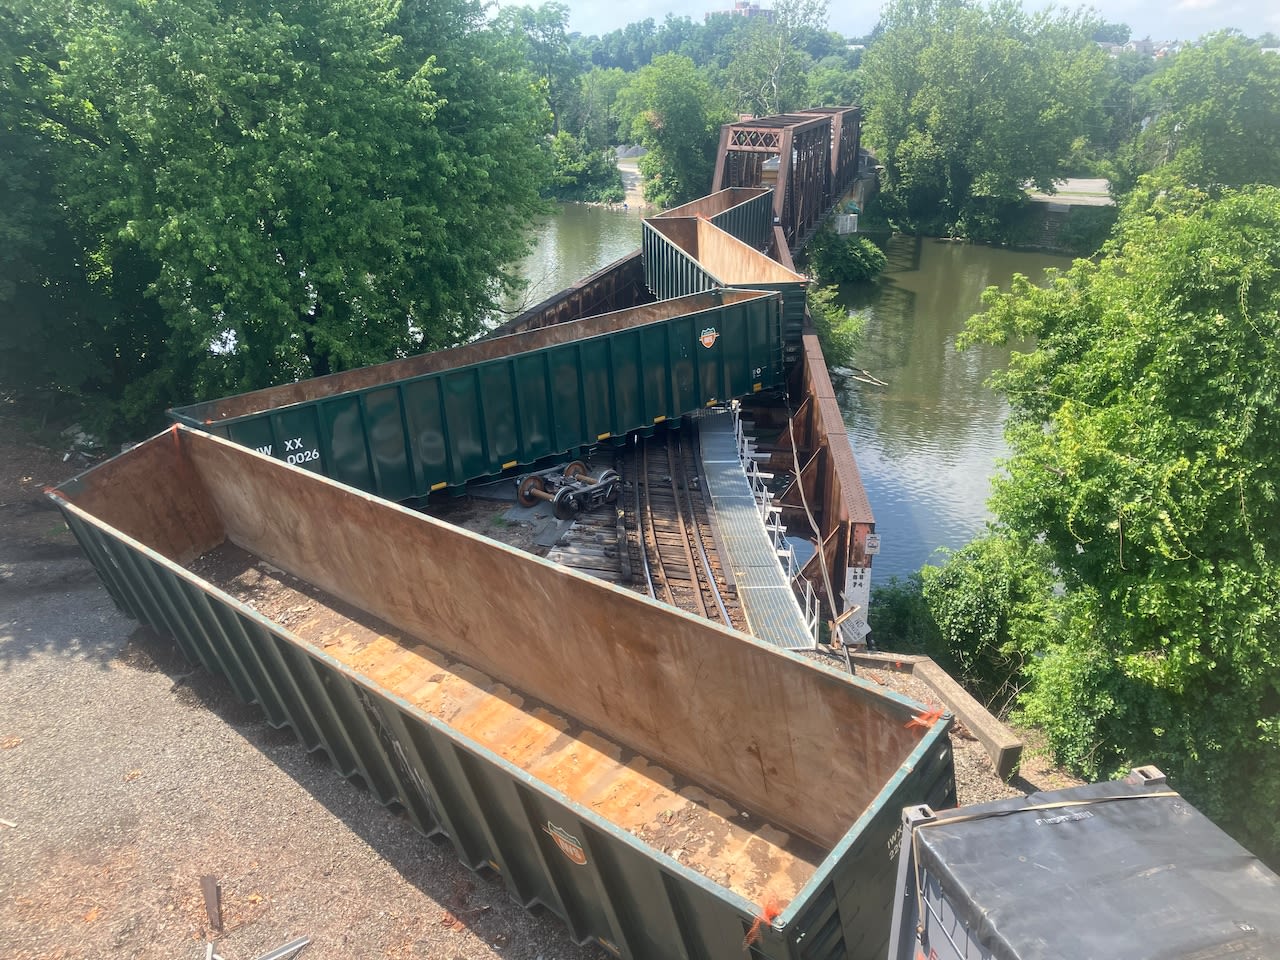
<point x="657" y="538"/>
<point x="674" y="556"/>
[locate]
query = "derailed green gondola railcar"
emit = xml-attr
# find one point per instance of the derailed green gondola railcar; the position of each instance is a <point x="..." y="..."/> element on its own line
<point x="405" y="428"/>
<point x="743" y="212"/>
<point x="683" y="255"/>
<point x="650" y="777"/>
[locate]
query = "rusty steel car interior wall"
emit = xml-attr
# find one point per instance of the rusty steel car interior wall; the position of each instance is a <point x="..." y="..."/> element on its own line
<point x="742" y="212"/>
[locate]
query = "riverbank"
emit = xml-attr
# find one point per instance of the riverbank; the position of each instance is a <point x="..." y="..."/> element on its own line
<point x="633" y="183"/>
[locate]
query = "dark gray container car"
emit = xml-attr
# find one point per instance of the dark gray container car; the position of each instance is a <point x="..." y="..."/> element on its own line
<point x="1126" y="869"/>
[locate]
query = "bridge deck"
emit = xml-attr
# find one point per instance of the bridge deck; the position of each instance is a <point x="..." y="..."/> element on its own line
<point x="764" y="592"/>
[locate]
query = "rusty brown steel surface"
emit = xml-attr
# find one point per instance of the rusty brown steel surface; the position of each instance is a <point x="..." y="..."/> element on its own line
<point x="846" y="135"/>
<point x="636" y="671"/>
<point x="480" y="350"/>
<point x="635" y="794"/>
<point x="714" y="203"/>
<point x="722" y="255"/>
<point x="830" y="424"/>
<point x="803" y="144"/>
<point x="615" y="287"/>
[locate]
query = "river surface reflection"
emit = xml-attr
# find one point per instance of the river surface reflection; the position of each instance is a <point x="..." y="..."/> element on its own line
<point x="929" y="442"/>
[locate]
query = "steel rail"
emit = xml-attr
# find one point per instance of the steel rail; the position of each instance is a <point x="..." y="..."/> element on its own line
<point x="696" y="527"/>
<point x="649" y="529"/>
<point x="644" y="554"/>
<point x="685" y="536"/>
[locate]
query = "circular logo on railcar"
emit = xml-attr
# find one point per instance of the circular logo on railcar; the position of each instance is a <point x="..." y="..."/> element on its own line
<point x="569" y="845"/>
<point x="708" y="337"/>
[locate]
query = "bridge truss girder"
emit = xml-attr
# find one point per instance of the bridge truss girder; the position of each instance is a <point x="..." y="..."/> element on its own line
<point x="803" y="145"/>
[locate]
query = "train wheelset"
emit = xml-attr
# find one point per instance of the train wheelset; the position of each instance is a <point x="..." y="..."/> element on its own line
<point x="571" y="489"/>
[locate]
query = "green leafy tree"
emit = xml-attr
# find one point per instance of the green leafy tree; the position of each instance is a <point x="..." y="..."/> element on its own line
<point x="965" y="104"/>
<point x="1112" y="33"/>
<point x="583" y="174"/>
<point x="1127" y="105"/>
<point x="994" y="606"/>
<point x="767" y="72"/>
<point x="849" y="259"/>
<point x="671" y="109"/>
<point x="545" y="31"/>
<point x="840" y="330"/>
<point x="630" y="48"/>
<point x="1144" y="459"/>
<point x="593" y="113"/>
<point x="273" y="192"/>
<point x="833" y="82"/>
<point x="1217" y="114"/>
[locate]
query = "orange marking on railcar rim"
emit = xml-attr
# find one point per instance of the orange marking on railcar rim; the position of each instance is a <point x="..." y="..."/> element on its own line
<point x="768" y="913"/>
<point x="925" y="720"/>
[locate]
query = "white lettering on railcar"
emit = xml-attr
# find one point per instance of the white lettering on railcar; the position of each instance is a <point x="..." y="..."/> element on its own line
<point x="302" y="456"/>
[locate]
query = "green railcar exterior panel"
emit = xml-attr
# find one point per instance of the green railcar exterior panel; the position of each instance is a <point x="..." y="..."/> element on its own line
<point x="405" y="437"/>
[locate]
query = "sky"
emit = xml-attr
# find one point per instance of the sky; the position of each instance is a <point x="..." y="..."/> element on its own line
<point x="1158" y="19"/>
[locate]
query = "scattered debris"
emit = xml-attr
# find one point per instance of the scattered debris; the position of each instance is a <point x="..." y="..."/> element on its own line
<point x="212" y="901"/>
<point x="8" y="743"/>
<point x="8" y="824"/>
<point x="288" y="950"/>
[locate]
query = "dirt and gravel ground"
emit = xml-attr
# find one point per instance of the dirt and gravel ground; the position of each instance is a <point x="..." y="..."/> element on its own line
<point x="125" y="776"/>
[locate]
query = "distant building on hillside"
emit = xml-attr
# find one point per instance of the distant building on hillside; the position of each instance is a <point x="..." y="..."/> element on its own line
<point x="742" y="8"/>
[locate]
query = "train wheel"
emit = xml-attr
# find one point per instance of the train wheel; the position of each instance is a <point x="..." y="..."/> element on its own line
<point x="574" y="469"/>
<point x="566" y="506"/>
<point x="524" y="492"/>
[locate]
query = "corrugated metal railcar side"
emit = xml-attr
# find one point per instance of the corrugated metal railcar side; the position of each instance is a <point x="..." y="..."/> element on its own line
<point x="743" y="212"/>
<point x="406" y="428"/>
<point x="802" y="746"/>
<point x="683" y="255"/>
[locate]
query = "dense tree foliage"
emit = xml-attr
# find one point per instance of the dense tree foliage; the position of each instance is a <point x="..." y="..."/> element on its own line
<point x="840" y="330"/>
<point x="839" y="259"/>
<point x="1144" y="461"/>
<point x="965" y="104"/>
<point x="994" y="610"/>
<point x="582" y="174"/>
<point x="545" y="30"/>
<point x="671" y="109"/>
<point x="768" y="70"/>
<point x="254" y="193"/>
<point x="592" y="114"/>
<point x="1216" y="115"/>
